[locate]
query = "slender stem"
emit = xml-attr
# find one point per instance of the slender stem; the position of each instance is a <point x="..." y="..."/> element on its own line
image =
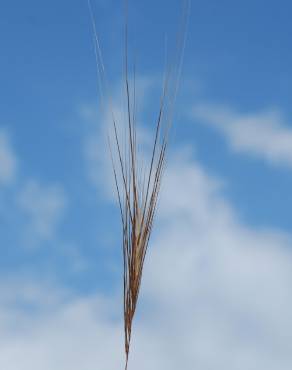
<point x="126" y="366"/>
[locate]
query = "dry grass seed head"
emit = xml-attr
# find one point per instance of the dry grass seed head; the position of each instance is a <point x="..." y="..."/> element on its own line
<point x="138" y="190"/>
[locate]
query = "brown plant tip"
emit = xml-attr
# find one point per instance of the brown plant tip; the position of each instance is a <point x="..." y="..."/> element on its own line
<point x="137" y="199"/>
<point x="137" y="185"/>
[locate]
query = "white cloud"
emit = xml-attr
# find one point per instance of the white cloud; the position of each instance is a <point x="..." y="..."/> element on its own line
<point x="264" y="135"/>
<point x="34" y="208"/>
<point x="216" y="294"/>
<point x="8" y="162"/>
<point x="68" y="335"/>
<point x="43" y="207"/>
<point x="222" y="287"/>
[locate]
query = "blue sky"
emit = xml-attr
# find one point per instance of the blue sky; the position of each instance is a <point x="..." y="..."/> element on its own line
<point x="224" y="226"/>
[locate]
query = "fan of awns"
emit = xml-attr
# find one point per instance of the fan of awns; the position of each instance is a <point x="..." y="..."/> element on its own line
<point x="138" y="184"/>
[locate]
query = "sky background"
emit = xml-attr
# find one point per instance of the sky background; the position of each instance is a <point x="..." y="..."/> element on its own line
<point x="216" y="291"/>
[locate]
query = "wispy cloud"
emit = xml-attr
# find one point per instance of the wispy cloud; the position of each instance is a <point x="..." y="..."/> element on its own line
<point x="36" y="209"/>
<point x="43" y="207"/>
<point x="264" y="135"/>
<point x="8" y="161"/>
<point x="100" y="121"/>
